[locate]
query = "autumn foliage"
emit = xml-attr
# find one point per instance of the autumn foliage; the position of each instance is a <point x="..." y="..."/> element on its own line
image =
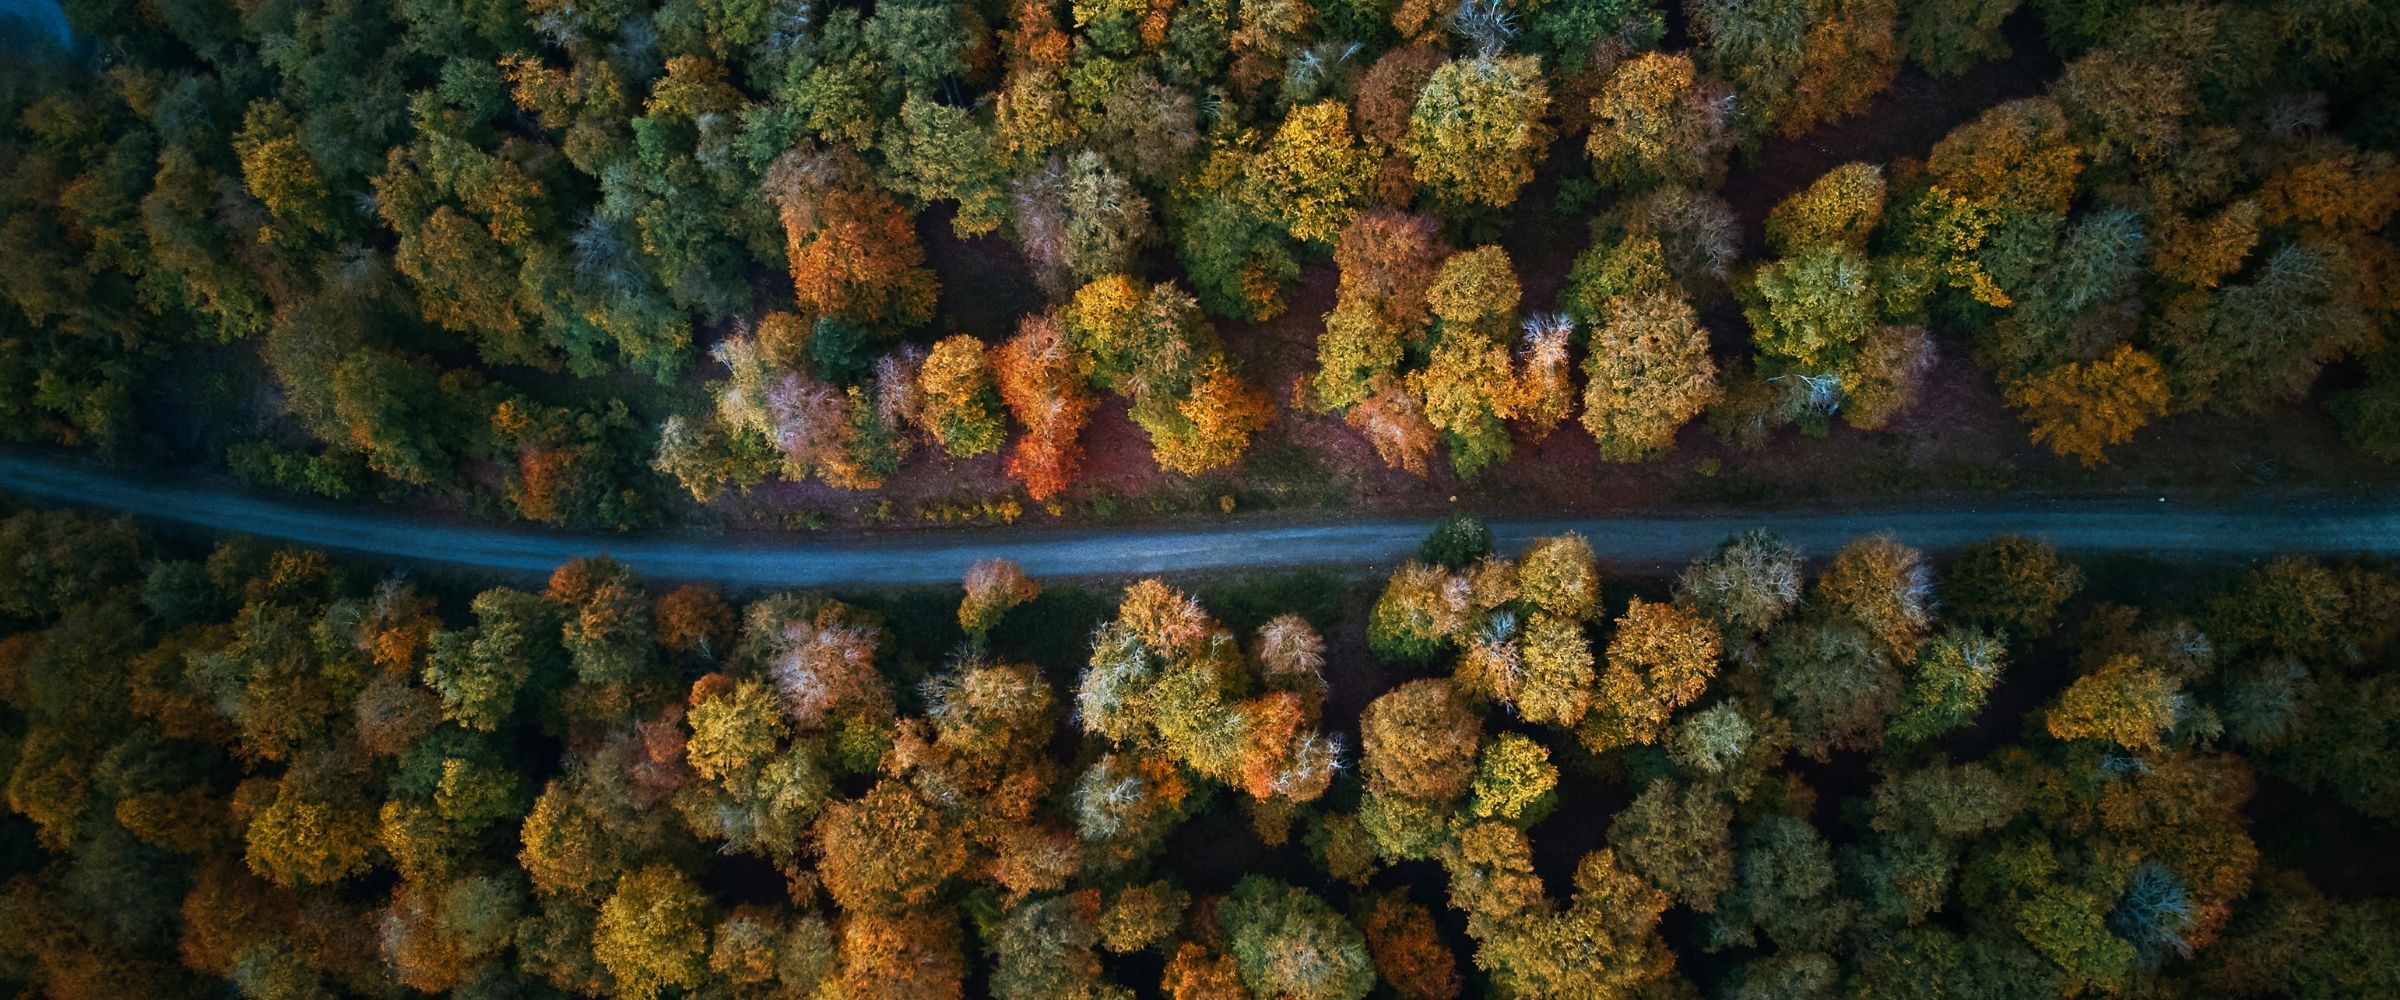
<point x="874" y="798"/>
<point x="1040" y="380"/>
<point x="477" y="253"/>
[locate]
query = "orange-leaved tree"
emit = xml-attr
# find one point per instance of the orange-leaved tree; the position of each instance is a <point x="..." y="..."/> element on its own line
<point x="2081" y="408"/>
<point x="1041" y="379"/>
<point x="853" y="249"/>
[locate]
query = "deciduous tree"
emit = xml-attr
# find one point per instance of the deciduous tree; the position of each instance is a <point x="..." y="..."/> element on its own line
<point x="1796" y="64"/>
<point x="993" y="586"/>
<point x="1387" y="262"/>
<point x="1420" y="741"/>
<point x="2081" y="408"/>
<point x="1841" y="208"/>
<point x="1808" y="312"/>
<point x="1656" y="121"/>
<point x="2011" y="583"/>
<point x="1514" y="781"/>
<point x="1041" y="378"/>
<point x="1078" y="219"/>
<point x="652" y="934"/>
<point x="1947" y="684"/>
<point x="1677" y="839"/>
<point x="1560" y="575"/>
<point x="1948" y="37"/>
<point x="1420" y="608"/>
<point x="1407" y="947"/>
<point x="1604" y="944"/>
<point x="1468" y="394"/>
<point x="1659" y="660"/>
<point x="956" y="398"/>
<point x="1286" y="942"/>
<point x="855" y="258"/>
<point x="1313" y="175"/>
<point x="478" y="672"/>
<point x="911" y="956"/>
<point x="887" y="852"/>
<point x="2123" y="702"/>
<point x="2014" y="158"/>
<point x="1834" y="682"/>
<point x="1883" y="586"/>
<point x="1648" y="374"/>
<point x="1478" y="128"/>
<point x="944" y="153"/>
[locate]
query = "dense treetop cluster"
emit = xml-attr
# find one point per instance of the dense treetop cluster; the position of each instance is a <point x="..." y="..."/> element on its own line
<point x="497" y="248"/>
<point x="267" y="772"/>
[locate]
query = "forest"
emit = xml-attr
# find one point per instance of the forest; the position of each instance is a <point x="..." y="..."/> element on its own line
<point x="723" y="271"/>
<point x="234" y="769"/>
<point x="621" y="264"/>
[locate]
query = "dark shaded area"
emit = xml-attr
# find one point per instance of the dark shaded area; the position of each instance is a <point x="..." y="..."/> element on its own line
<point x="744" y="880"/>
<point x="986" y="286"/>
<point x="2345" y="855"/>
<point x="1905" y="119"/>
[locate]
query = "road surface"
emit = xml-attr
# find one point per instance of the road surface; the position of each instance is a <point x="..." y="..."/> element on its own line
<point x="45" y="16"/>
<point x="2258" y="529"/>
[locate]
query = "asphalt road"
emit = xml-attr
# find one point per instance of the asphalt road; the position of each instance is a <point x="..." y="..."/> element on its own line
<point x="2157" y="527"/>
<point x="46" y="16"/>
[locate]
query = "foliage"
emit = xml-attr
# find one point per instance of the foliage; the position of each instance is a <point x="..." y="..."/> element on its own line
<point x="1419" y="741"/>
<point x="2014" y="158"/>
<point x="993" y="587"/>
<point x="1948" y="684"/>
<point x="956" y="398"/>
<point x="229" y="770"/>
<point x="1387" y="261"/>
<point x="1477" y="130"/>
<point x="2123" y="702"/>
<point x="1649" y="373"/>
<point x="1834" y="682"/>
<point x="2011" y="583"/>
<point x="1456" y="542"/>
<point x="1751" y="582"/>
<point x="1809" y="312"/>
<point x="1675" y="838"/>
<point x="1287" y="942"/>
<point x="1656" y="122"/>
<point x="854" y="255"/>
<point x="1514" y="781"/>
<point x="1659" y="660"/>
<point x="460" y="254"/>
<point x="1948" y="38"/>
<point x="1078" y="219"/>
<point x="1407" y="947"/>
<point x="1883" y="586"/>
<point x="1840" y="208"/>
<point x="1166" y="679"/>
<point x="652" y="934"/>
<point x="463" y="253"/>
<point x="888" y="851"/>
<point x="1312" y="175"/>
<point x="2082" y="408"/>
<point x="1040" y="378"/>
<point x="1795" y="64"/>
<point x="1150" y="344"/>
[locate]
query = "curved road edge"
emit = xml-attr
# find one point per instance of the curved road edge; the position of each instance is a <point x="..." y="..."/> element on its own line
<point x="2258" y="529"/>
